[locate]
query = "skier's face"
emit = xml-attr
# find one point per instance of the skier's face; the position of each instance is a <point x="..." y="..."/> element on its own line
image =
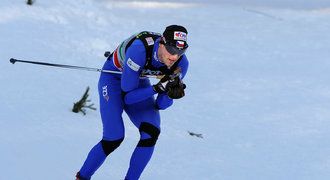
<point x="167" y="58"/>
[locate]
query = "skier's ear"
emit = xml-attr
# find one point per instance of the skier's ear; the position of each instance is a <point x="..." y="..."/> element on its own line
<point x="162" y="41"/>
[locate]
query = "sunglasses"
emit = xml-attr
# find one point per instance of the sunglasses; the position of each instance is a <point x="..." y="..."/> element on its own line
<point x="173" y="50"/>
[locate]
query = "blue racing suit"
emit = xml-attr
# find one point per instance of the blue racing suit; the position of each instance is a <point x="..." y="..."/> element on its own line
<point x="133" y="94"/>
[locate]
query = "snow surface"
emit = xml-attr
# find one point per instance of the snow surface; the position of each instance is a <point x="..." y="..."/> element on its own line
<point x="258" y="89"/>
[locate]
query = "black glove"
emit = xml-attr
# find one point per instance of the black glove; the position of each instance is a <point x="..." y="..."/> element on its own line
<point x="175" y="88"/>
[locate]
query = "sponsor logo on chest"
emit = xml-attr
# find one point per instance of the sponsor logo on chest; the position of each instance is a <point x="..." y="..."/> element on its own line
<point x="151" y="72"/>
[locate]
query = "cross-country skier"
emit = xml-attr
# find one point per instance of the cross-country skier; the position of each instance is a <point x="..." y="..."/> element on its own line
<point x="145" y="53"/>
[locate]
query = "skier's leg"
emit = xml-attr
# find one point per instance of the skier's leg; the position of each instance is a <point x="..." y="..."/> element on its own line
<point x="143" y="151"/>
<point x="111" y="108"/>
<point x="146" y="117"/>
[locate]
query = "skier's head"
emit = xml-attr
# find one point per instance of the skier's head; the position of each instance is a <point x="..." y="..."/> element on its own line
<point x="175" y="39"/>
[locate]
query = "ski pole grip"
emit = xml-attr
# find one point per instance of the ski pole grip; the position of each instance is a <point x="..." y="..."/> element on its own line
<point x="12" y="60"/>
<point x="107" y="54"/>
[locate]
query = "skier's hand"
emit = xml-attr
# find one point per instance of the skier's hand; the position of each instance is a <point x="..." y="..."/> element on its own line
<point x="175" y="88"/>
<point x="160" y="86"/>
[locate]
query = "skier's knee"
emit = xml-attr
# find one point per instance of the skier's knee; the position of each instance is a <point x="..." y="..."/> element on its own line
<point x="152" y="131"/>
<point x="109" y="146"/>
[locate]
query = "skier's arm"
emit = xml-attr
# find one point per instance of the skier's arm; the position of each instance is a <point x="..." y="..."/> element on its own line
<point x="138" y="95"/>
<point x="135" y="56"/>
<point x="163" y="101"/>
<point x="183" y="64"/>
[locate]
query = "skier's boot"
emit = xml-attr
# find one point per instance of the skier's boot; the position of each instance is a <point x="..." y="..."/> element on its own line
<point x="78" y="177"/>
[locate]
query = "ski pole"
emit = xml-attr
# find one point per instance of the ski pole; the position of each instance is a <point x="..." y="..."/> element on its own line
<point x="13" y="61"/>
